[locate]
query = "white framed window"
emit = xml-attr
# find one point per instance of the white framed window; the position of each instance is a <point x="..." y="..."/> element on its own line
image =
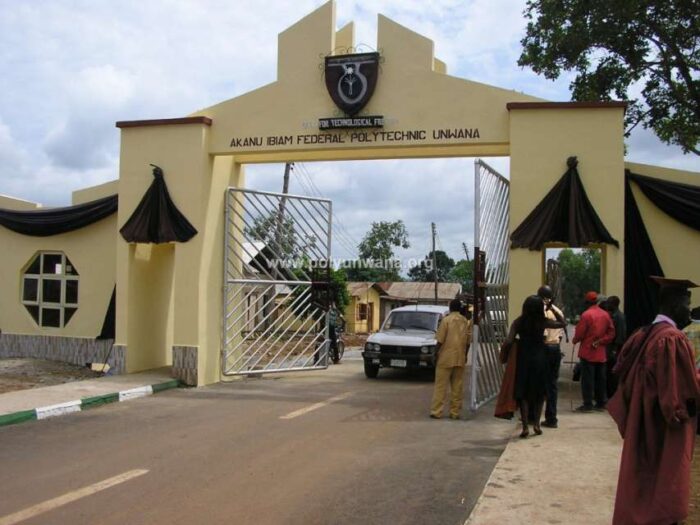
<point x="50" y="289"/>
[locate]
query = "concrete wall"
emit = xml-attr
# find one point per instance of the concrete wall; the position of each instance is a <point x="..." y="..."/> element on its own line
<point x="92" y="252"/>
<point x="541" y="141"/>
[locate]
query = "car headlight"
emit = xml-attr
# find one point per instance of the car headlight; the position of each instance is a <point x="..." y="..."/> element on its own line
<point x="427" y="349"/>
<point x="372" y="347"/>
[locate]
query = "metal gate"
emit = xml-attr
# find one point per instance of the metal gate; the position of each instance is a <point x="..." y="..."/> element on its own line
<point x="276" y="282"/>
<point x="492" y="192"/>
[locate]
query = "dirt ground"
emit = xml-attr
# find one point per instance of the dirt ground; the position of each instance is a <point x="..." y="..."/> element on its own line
<point x="354" y="340"/>
<point x="21" y="374"/>
<point x="694" y="511"/>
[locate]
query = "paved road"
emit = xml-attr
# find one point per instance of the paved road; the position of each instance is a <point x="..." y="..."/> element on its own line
<point x="315" y="448"/>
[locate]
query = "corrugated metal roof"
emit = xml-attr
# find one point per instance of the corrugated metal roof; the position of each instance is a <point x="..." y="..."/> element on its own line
<point x="359" y="289"/>
<point x="415" y="290"/>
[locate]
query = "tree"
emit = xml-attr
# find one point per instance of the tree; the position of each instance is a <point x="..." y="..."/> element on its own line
<point x="463" y="273"/>
<point x="579" y="273"/>
<point x="377" y="249"/>
<point x="423" y="272"/>
<point x="616" y="47"/>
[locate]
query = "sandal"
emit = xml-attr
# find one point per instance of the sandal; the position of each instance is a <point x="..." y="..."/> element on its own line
<point x="538" y="430"/>
<point x="525" y="433"/>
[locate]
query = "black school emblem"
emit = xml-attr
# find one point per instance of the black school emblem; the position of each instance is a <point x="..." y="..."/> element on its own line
<point x="350" y="80"/>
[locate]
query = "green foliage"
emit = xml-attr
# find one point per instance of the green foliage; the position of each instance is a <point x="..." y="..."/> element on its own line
<point x="424" y="271"/>
<point x="579" y="273"/>
<point x="463" y="272"/>
<point x="377" y="247"/>
<point x="339" y="289"/>
<point x="356" y="271"/>
<point x="277" y="232"/>
<point x="618" y="48"/>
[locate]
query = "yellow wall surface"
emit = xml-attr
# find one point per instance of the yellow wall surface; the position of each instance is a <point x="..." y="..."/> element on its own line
<point x="91" y="250"/>
<point x="196" y="182"/>
<point x="95" y="192"/>
<point x="412" y="92"/>
<point x="10" y="203"/>
<point x="355" y="326"/>
<point x="541" y="141"/>
<point x="677" y="246"/>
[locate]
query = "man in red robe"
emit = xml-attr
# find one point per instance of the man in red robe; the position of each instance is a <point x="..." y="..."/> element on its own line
<point x="655" y="410"/>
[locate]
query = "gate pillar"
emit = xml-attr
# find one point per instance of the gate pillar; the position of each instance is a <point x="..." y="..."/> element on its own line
<point x="169" y="295"/>
<point x="542" y="136"/>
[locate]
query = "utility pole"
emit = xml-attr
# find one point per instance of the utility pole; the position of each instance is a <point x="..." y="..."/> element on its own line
<point x="466" y="252"/>
<point x="282" y="205"/>
<point x="432" y="224"/>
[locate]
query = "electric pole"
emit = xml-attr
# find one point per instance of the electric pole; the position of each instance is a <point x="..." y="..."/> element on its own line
<point x="282" y="205"/>
<point x="466" y="252"/>
<point x="432" y="224"/>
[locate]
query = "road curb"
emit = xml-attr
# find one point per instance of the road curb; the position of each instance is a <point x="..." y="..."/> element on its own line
<point x="85" y="403"/>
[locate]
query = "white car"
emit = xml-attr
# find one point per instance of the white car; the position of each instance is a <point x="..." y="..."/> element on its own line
<point x="406" y="339"/>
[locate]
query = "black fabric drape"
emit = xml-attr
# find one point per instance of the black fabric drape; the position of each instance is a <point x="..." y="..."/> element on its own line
<point x="42" y="223"/>
<point x="156" y="219"/>
<point x="641" y="293"/>
<point x="108" y="325"/>
<point x="564" y="215"/>
<point x="680" y="201"/>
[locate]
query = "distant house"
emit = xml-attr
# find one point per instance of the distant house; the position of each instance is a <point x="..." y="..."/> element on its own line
<point x="362" y="314"/>
<point x="370" y="303"/>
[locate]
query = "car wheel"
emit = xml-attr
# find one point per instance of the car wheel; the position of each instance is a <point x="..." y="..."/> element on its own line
<point x="371" y="370"/>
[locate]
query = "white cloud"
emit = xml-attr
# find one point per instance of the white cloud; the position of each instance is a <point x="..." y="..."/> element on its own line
<point x="70" y="69"/>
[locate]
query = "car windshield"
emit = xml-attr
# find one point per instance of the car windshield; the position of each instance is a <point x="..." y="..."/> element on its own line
<point x="412" y="321"/>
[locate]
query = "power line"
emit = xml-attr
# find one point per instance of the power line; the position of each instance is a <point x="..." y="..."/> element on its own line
<point x="342" y="241"/>
<point x="342" y="234"/>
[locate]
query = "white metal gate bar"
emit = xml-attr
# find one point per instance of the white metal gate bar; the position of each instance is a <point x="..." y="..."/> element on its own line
<point x="272" y="320"/>
<point x="492" y="192"/>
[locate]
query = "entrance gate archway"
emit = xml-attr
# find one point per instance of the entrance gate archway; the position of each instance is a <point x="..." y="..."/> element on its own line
<point x="421" y="111"/>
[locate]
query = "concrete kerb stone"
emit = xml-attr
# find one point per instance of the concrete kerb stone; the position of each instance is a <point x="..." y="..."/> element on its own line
<point x="85" y="403"/>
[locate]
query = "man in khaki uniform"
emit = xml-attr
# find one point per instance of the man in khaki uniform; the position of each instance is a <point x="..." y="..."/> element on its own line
<point x="453" y="338"/>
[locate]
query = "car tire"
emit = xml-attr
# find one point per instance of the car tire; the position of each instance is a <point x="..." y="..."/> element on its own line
<point x="371" y="370"/>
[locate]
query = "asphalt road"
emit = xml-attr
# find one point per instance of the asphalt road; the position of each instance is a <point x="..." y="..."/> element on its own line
<point x="325" y="447"/>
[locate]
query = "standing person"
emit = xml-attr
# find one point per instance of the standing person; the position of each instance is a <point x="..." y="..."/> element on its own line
<point x="335" y="322"/>
<point x="594" y="331"/>
<point x="612" y="305"/>
<point x="693" y="333"/>
<point x="655" y="410"/>
<point x="453" y="338"/>
<point x="552" y="344"/>
<point x="531" y="366"/>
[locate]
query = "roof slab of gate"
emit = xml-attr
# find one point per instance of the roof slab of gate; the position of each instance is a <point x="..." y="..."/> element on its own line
<point x="426" y="112"/>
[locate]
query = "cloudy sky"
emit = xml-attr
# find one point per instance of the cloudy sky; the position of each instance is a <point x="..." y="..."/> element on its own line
<point x="69" y="69"/>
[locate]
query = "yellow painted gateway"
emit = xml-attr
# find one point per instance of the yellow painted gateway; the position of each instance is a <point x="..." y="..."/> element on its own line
<point x="171" y="307"/>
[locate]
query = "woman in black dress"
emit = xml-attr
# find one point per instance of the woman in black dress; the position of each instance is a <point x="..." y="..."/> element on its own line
<point x="531" y="367"/>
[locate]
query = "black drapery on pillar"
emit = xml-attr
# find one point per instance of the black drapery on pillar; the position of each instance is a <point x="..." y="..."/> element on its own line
<point x="641" y="293"/>
<point x="680" y="201"/>
<point x="109" y="323"/>
<point x="564" y="215"/>
<point x="42" y="223"/>
<point x="156" y="219"/>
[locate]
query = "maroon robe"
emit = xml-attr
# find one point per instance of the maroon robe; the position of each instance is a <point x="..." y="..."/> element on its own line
<point x="654" y="408"/>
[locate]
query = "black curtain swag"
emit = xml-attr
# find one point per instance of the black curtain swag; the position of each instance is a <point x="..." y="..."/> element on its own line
<point x="564" y="215"/>
<point x="680" y="201"/>
<point x="641" y="293"/>
<point x="156" y="219"/>
<point x="109" y="323"/>
<point x="43" y="223"/>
